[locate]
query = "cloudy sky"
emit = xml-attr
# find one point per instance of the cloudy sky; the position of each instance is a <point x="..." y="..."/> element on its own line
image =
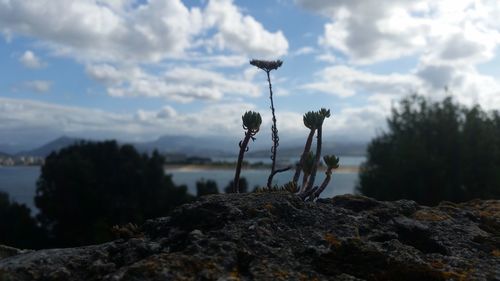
<point x="136" y="70"/>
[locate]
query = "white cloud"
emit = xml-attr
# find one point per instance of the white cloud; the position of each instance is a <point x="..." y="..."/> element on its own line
<point x="358" y="122"/>
<point x="345" y="81"/>
<point x="437" y="76"/>
<point x="182" y="84"/>
<point x="307" y="50"/>
<point x="93" y="30"/>
<point x="374" y="31"/>
<point x="447" y="39"/>
<point x="32" y="119"/>
<point x="30" y="60"/>
<point x="327" y="57"/>
<point x="25" y="120"/>
<point x="40" y="86"/>
<point x="118" y="40"/>
<point x="369" y="31"/>
<point x="242" y="33"/>
<point x="465" y="83"/>
<point x="218" y="61"/>
<point x="118" y="31"/>
<point x="166" y="112"/>
<point x="164" y="49"/>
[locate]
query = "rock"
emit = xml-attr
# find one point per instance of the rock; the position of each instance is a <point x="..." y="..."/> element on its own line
<point x="6" y="251"/>
<point x="276" y="236"/>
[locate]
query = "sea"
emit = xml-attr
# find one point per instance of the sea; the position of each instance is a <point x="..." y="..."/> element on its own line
<point x="20" y="181"/>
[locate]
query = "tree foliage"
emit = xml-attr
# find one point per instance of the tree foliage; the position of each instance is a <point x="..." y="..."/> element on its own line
<point x="242" y="186"/>
<point x="434" y="151"/>
<point x="205" y="187"/>
<point x="17" y="227"/>
<point x="85" y="189"/>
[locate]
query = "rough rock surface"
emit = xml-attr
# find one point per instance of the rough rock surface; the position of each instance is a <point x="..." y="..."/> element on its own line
<point x="276" y="236"/>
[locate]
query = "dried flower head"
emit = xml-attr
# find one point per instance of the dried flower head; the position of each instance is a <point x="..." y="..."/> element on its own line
<point x="267" y="65"/>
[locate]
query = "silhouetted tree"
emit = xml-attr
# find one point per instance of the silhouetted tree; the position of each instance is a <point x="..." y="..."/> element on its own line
<point x="243" y="186"/>
<point x="17" y="227"/>
<point x="85" y="189"/>
<point x="205" y="187"/>
<point x="434" y="151"/>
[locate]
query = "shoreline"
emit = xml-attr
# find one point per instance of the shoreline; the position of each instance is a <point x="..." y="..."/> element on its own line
<point x="199" y="167"/>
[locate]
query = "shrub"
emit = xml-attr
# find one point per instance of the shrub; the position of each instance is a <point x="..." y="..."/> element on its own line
<point x="434" y="151"/>
<point x="85" y="189"/>
<point x="242" y="185"/>
<point x="205" y="187"/>
<point x="17" y="227"/>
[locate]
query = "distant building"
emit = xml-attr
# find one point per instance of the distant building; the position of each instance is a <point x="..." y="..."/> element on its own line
<point x="21" y="161"/>
<point x="6" y="161"/>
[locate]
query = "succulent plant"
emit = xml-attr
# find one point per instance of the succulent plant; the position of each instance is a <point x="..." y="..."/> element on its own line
<point x="267" y="66"/>
<point x="314" y="121"/>
<point x="310" y="119"/>
<point x="251" y="124"/>
<point x="332" y="162"/>
<point x="318" y="122"/>
<point x="290" y="187"/>
<point x="307" y="167"/>
<point x="310" y="122"/>
<point x="251" y="121"/>
<point x="324" y="112"/>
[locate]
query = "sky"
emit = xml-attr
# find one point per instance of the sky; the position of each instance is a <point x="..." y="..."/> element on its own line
<point x="136" y="70"/>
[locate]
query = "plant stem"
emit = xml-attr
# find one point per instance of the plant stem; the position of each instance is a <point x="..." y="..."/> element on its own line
<point x="308" y="193"/>
<point x="307" y="148"/>
<point x="304" y="182"/>
<point x="243" y="147"/>
<point x="324" y="184"/>
<point x="312" y="177"/>
<point x="274" y="130"/>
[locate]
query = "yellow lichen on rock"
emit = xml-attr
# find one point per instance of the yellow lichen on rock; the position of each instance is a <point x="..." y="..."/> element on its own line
<point x="430" y="215"/>
<point x="332" y="240"/>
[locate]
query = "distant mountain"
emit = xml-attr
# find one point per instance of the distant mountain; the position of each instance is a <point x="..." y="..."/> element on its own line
<point x="46" y="149"/>
<point x="11" y="149"/>
<point x="210" y="147"/>
<point x="3" y="154"/>
<point x="191" y="146"/>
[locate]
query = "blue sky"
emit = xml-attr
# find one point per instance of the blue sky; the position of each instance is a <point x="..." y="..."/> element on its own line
<point x="137" y="70"/>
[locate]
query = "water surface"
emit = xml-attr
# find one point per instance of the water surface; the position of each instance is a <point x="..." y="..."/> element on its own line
<point x="20" y="181"/>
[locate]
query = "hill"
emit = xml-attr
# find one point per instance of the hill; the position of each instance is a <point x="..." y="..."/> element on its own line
<point x="276" y="236"/>
<point x="3" y="154"/>
<point x="191" y="146"/>
<point x="46" y="149"/>
<point x="208" y="146"/>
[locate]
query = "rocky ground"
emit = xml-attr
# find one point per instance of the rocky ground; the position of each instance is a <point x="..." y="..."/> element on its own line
<point x="276" y="236"/>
